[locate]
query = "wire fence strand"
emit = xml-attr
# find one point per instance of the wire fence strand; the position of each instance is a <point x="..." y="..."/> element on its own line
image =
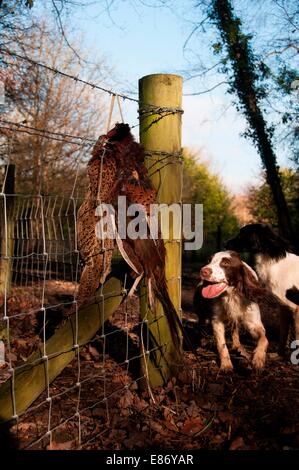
<point x="67" y="75"/>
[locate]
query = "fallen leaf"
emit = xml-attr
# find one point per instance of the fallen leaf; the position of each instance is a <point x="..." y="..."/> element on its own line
<point x="24" y="426"/>
<point x="157" y="427"/>
<point x="192" y="426"/>
<point x="218" y="439"/>
<point x="126" y="400"/>
<point x="237" y="443"/>
<point x="169" y="421"/>
<point x="140" y="404"/>
<point x="193" y="410"/>
<point x="68" y="445"/>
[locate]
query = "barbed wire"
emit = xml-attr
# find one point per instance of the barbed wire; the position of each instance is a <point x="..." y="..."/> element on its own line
<point x="67" y="75"/>
<point x="49" y="134"/>
<point x="148" y="110"/>
<point x="26" y="131"/>
<point x="71" y="136"/>
<point x="145" y="111"/>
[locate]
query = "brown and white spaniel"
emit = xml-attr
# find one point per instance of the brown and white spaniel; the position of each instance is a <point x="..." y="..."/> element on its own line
<point x="230" y="292"/>
<point x="229" y="287"/>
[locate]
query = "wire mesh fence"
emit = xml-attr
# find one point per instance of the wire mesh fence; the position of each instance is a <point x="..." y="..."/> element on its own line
<point x="40" y="272"/>
<point x="62" y="375"/>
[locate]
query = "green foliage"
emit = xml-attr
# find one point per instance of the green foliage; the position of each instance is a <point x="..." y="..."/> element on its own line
<point x="261" y="203"/>
<point x="287" y="83"/>
<point x="201" y="186"/>
<point x="217" y="47"/>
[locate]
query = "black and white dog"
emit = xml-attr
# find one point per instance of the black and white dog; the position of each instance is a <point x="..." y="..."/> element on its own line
<point x="276" y="266"/>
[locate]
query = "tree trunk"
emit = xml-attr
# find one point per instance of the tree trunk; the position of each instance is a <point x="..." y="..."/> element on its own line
<point x="244" y="83"/>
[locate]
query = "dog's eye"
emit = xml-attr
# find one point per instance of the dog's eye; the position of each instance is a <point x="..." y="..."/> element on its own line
<point x="225" y="262"/>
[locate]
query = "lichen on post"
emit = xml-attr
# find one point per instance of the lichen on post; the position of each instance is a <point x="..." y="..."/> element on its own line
<point x="160" y="99"/>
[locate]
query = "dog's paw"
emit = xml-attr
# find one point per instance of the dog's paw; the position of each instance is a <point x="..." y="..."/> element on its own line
<point x="258" y="361"/>
<point x="226" y="366"/>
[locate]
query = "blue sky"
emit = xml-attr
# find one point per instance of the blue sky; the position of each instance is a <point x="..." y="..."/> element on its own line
<point x="137" y="41"/>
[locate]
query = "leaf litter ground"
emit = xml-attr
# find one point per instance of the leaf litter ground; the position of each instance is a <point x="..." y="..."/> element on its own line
<point x="200" y="409"/>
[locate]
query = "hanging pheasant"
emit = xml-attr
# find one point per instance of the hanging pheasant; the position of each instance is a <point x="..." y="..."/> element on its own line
<point x="96" y="254"/>
<point x="117" y="168"/>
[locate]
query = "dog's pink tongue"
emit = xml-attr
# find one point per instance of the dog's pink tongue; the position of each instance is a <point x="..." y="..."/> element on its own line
<point x="213" y="290"/>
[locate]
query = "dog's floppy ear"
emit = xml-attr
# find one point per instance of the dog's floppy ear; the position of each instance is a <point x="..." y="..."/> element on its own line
<point x="250" y="272"/>
<point x="249" y="278"/>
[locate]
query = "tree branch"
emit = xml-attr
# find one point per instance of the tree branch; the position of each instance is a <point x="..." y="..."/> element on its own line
<point x="208" y="90"/>
<point x="58" y="18"/>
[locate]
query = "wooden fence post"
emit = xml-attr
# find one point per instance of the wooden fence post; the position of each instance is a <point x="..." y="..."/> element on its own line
<point x="7" y="231"/>
<point x="160" y="98"/>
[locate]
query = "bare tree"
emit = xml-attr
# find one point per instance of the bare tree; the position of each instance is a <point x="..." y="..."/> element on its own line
<point x="42" y="99"/>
